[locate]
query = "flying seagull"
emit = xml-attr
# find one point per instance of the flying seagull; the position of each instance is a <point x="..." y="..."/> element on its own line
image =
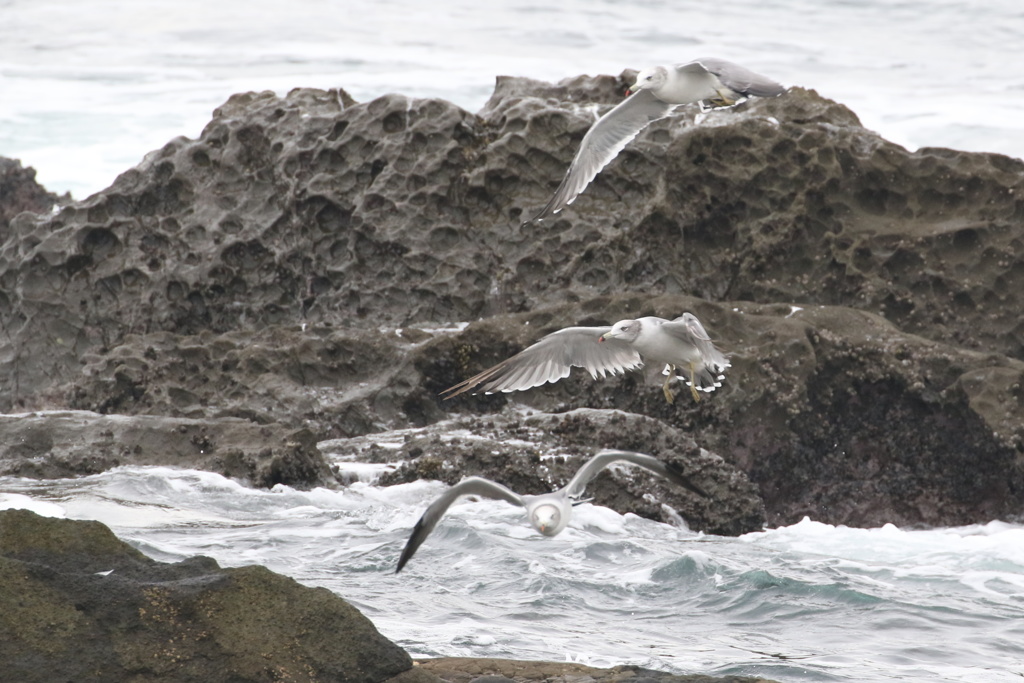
<point x="548" y="513"/>
<point x="657" y="91"/>
<point x="681" y="343"/>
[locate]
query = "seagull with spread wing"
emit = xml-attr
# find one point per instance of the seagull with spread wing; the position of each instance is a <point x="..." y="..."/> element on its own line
<point x="549" y="513"/>
<point x="628" y="344"/>
<point x="712" y="83"/>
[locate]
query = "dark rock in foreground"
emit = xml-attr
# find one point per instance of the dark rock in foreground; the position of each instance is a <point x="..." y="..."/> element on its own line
<point x="465" y="670"/>
<point x="76" y="604"/>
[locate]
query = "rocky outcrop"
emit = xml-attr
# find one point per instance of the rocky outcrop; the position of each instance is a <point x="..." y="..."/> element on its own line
<point x="314" y="209"/>
<point x="70" y="443"/>
<point x="292" y="267"/>
<point x="20" y="192"/>
<point x="832" y="412"/>
<point x="80" y="605"/>
<point x="335" y="381"/>
<point x="541" y="452"/>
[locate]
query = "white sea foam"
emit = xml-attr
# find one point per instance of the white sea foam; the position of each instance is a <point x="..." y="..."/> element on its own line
<point x="850" y="603"/>
<point x="363" y="471"/>
<point x="17" y="501"/>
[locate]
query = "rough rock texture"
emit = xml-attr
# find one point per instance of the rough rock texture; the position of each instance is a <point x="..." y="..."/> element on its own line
<point x="464" y="670"/>
<point x="311" y="208"/>
<point x="20" y="192"/>
<point x="335" y="381"/>
<point x="68" y="443"/>
<point x="77" y="604"/>
<point x="291" y="266"/>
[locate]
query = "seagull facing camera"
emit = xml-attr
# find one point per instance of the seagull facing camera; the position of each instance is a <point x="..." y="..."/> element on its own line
<point x="549" y="513"/>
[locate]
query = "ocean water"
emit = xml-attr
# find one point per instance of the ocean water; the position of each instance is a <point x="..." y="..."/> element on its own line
<point x="88" y="88"/>
<point x="808" y="602"/>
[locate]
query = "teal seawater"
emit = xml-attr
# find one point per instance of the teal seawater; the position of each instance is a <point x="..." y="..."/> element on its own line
<point x="808" y="602"/>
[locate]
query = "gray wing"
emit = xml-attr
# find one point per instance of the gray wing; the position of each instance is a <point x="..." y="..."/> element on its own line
<point x="707" y="374"/>
<point x="469" y="486"/>
<point x="551" y="359"/>
<point x="591" y="468"/>
<point x="603" y="142"/>
<point x="690" y="330"/>
<point x="740" y="79"/>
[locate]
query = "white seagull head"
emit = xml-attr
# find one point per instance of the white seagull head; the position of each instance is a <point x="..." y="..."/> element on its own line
<point x="547" y="519"/>
<point x="650" y="79"/>
<point x="626" y="330"/>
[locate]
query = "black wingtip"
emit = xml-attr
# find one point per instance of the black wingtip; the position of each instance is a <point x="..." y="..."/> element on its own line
<point x="466" y="386"/>
<point x="408" y="551"/>
<point x="541" y="216"/>
<point x="416" y="539"/>
<point x="405" y="557"/>
<point x="549" y="210"/>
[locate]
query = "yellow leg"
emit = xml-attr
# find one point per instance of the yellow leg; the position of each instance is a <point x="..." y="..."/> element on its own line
<point x="729" y="101"/>
<point x="723" y="100"/>
<point x="664" y="387"/>
<point x="693" y="383"/>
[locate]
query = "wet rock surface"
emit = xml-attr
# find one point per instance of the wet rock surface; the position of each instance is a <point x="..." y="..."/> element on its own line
<point x="464" y="670"/>
<point x="540" y="452"/>
<point x="302" y="265"/>
<point x="80" y="605"/>
<point x="70" y="443"/>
